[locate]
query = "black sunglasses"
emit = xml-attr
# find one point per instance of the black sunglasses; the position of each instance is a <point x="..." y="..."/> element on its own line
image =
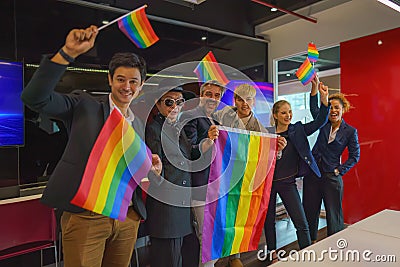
<point x="169" y="102"/>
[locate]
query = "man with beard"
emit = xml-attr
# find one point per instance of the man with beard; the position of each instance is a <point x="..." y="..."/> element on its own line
<point x="197" y="124"/>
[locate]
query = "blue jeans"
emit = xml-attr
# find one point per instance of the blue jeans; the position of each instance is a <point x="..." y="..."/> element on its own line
<point x="287" y="191"/>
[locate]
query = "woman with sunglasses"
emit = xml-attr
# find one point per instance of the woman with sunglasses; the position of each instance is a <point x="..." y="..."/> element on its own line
<point x="295" y="161"/>
<point x="168" y="203"/>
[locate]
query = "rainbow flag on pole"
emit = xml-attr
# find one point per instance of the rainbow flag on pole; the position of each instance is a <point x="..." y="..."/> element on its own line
<point x="208" y="69"/>
<point x="137" y="28"/>
<point x="238" y="192"/>
<point x="116" y="165"/>
<point x="312" y="52"/>
<point x="306" y="72"/>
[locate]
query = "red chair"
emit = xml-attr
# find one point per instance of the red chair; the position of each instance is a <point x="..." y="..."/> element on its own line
<point x="26" y="226"/>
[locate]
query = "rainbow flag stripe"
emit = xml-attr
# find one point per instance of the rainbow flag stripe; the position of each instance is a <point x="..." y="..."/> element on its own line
<point x="137" y="28"/>
<point x="208" y="69"/>
<point x="238" y="192"/>
<point x="306" y="72"/>
<point x="312" y="52"/>
<point x="118" y="155"/>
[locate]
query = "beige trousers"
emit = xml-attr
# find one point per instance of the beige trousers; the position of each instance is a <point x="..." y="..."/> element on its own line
<point x="93" y="240"/>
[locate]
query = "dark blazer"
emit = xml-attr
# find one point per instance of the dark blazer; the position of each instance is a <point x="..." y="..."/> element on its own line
<point x="168" y="202"/>
<point x="298" y="133"/>
<point x="83" y="116"/>
<point x="196" y="125"/>
<point x="328" y="155"/>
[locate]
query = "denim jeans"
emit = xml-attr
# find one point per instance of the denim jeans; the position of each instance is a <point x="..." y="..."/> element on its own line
<point x="287" y="191"/>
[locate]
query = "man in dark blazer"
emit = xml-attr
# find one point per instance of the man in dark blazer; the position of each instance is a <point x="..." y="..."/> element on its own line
<point x="89" y="239"/>
<point x="197" y="125"/>
<point x="168" y="202"/>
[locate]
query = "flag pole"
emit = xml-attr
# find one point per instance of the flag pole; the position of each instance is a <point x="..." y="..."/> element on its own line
<point x="121" y="17"/>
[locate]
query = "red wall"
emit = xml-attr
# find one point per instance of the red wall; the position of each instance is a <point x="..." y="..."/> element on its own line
<point x="370" y="76"/>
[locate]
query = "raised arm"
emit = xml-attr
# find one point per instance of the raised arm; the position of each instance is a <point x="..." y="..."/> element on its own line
<point x="322" y="116"/>
<point x="39" y="93"/>
<point x="314" y="108"/>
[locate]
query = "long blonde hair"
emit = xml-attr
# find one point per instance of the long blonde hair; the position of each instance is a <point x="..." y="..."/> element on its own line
<point x="275" y="108"/>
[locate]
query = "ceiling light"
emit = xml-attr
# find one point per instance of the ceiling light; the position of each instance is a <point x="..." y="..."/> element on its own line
<point x="274" y="9"/>
<point x="392" y="4"/>
<point x="203" y="38"/>
<point x="105" y="22"/>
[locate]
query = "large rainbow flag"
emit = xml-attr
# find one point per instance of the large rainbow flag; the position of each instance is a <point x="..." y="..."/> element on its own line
<point x="238" y="192"/>
<point x="116" y="165"/>
<point x="208" y="69"/>
<point x="312" y="52"/>
<point x="306" y="72"/>
<point x="137" y="28"/>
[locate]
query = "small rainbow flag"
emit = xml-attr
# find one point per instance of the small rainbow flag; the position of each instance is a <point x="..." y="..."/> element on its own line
<point x="238" y="192"/>
<point x="118" y="155"/>
<point x="312" y="52"/>
<point x="208" y="69"/>
<point x="306" y="72"/>
<point x="137" y="28"/>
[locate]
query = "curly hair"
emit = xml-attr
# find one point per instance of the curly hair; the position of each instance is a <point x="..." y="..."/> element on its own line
<point x="342" y="99"/>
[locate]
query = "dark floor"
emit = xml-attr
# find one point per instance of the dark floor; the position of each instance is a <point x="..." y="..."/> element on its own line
<point x="286" y="238"/>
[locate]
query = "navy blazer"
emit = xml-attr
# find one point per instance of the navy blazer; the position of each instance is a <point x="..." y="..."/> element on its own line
<point x="298" y="133"/>
<point x="83" y="116"/>
<point x="328" y="155"/>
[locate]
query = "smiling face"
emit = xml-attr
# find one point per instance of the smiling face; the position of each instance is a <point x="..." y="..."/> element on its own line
<point x="243" y="106"/>
<point x="210" y="98"/>
<point x="336" y="111"/>
<point x="283" y="116"/>
<point x="125" y="86"/>
<point x="170" y="112"/>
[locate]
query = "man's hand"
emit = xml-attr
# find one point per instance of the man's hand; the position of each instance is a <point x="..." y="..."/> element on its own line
<point x="78" y="42"/>
<point x="156" y="164"/>
<point x="213" y="132"/>
<point x="323" y="90"/>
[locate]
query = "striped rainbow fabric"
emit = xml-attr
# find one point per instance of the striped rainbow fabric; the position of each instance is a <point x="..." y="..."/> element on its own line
<point x="137" y="28"/>
<point x="116" y="165"/>
<point x="208" y="69"/>
<point x="306" y="72"/>
<point x="312" y="52"/>
<point x="240" y="181"/>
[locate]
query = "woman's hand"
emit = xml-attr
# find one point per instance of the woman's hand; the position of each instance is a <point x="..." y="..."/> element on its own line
<point x="323" y="90"/>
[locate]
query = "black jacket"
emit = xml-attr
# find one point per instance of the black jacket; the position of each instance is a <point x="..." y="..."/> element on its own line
<point x="168" y="202"/>
<point x="83" y="116"/>
<point x="196" y="125"/>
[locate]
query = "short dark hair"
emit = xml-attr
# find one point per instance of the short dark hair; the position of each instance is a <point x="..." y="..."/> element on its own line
<point x="129" y="60"/>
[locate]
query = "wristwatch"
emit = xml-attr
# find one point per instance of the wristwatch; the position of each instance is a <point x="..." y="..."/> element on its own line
<point x="336" y="172"/>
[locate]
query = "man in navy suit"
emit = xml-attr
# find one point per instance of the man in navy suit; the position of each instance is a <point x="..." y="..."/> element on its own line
<point x="89" y="239"/>
<point x="332" y="140"/>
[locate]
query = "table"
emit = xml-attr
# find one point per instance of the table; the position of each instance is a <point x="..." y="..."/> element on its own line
<point x="374" y="241"/>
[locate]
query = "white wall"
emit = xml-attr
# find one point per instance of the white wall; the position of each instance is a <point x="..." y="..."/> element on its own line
<point x="347" y="21"/>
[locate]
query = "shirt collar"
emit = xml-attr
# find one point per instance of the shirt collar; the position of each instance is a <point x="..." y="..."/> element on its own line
<point x="130" y="117"/>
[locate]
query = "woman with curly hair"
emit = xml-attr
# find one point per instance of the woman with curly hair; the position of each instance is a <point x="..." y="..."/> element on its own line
<point x="332" y="140"/>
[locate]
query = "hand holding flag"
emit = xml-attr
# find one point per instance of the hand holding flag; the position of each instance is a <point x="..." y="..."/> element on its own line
<point x="136" y="27"/>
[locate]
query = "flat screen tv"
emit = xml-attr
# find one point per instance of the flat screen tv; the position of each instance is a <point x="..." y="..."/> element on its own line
<point x="11" y="106"/>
